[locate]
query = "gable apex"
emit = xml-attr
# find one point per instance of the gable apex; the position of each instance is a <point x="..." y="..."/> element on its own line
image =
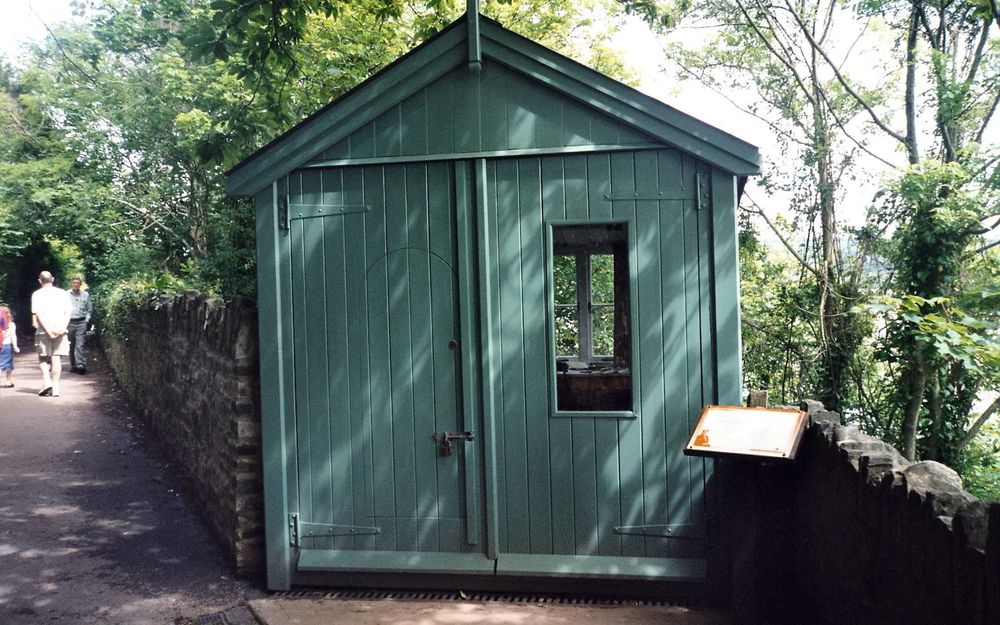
<point x="444" y="58"/>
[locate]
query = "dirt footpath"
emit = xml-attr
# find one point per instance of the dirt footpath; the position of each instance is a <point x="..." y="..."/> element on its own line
<point x="93" y="528"/>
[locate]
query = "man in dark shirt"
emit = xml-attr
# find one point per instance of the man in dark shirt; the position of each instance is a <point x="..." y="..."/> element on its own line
<point x="79" y="321"/>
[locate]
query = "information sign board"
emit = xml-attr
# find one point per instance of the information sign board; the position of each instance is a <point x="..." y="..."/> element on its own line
<point x="741" y="431"/>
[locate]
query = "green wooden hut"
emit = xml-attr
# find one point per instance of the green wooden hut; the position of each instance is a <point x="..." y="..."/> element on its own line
<point x="496" y="288"/>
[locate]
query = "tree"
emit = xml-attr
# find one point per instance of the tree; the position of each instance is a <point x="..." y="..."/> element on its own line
<point x="793" y="57"/>
<point x="143" y="106"/>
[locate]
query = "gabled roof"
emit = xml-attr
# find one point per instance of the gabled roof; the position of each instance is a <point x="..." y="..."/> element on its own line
<point x="448" y="50"/>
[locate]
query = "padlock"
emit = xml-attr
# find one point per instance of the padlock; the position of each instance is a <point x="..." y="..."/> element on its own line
<point x="445" y="448"/>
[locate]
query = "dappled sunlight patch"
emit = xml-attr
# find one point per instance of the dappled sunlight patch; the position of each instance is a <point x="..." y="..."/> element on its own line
<point x="48" y="553"/>
<point x="48" y="511"/>
<point x="8" y="550"/>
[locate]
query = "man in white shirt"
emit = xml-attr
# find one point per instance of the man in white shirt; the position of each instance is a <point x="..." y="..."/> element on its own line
<point x="50" y="313"/>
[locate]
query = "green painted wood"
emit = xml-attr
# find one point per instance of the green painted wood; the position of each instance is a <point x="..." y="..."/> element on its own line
<point x="468" y="348"/>
<point x="426" y="271"/>
<point x="376" y="325"/>
<point x="493" y="112"/>
<point x="375" y="315"/>
<point x="390" y="562"/>
<point x="725" y="251"/>
<point x="601" y="566"/>
<point x="359" y="401"/>
<point x="606" y="442"/>
<point x="624" y="180"/>
<point x="389" y="128"/>
<point x="601" y="473"/>
<point x="413" y="114"/>
<point x="536" y="400"/>
<point x="512" y="321"/>
<point x="309" y="256"/>
<point x="376" y="298"/>
<point x="487" y="297"/>
<point x="493" y="356"/>
<point x="476" y="154"/>
<point x="699" y="362"/>
<point x="554" y="198"/>
<point x="273" y="324"/>
<point x="630" y="110"/>
<point x="647" y="494"/>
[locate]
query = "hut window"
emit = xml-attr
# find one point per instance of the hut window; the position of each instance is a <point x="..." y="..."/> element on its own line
<point x="591" y="305"/>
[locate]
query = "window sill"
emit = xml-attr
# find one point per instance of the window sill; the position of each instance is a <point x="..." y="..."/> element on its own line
<point x="595" y="414"/>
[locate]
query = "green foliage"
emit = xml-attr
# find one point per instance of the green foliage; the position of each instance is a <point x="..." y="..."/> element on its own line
<point x="115" y="138"/>
<point x="122" y="301"/>
<point x="980" y="466"/>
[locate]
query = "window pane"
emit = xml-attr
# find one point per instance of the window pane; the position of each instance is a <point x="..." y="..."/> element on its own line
<point x="567" y="332"/>
<point x="602" y="279"/>
<point x="593" y="347"/>
<point x="564" y="279"/>
<point x="604" y="330"/>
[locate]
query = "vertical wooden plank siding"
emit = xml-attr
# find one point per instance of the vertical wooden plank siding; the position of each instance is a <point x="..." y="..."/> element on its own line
<point x="655" y="223"/>
<point x="303" y="425"/>
<point x="375" y="313"/>
<point x="470" y="355"/>
<point x="419" y="280"/>
<point x="536" y="399"/>
<point x="630" y="458"/>
<point x="579" y="478"/>
<point x="356" y="294"/>
<point x="380" y="362"/>
<point x="606" y="439"/>
<point x="381" y="407"/>
<point x="486" y="225"/>
<point x="497" y="109"/>
<point x="583" y="447"/>
<point x="560" y="473"/>
<point x="274" y="327"/>
<point x="725" y="268"/>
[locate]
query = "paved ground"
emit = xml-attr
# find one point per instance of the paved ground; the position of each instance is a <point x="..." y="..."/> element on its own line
<point x="386" y="612"/>
<point x="93" y="528"/>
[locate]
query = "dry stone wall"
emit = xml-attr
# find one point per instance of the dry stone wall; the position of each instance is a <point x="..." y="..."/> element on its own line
<point x="190" y="368"/>
<point x="882" y="540"/>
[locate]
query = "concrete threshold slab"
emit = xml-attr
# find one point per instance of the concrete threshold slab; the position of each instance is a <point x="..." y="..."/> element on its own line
<point x="323" y="611"/>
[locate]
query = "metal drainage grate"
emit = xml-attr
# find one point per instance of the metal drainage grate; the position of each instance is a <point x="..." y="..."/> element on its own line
<point x="481" y="597"/>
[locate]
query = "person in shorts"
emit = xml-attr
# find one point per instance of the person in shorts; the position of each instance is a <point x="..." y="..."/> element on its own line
<point x="50" y="312"/>
<point x="8" y="346"/>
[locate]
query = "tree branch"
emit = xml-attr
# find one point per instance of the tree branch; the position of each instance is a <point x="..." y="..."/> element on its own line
<point x="841" y="79"/>
<point x="978" y="425"/>
<point x="758" y="211"/>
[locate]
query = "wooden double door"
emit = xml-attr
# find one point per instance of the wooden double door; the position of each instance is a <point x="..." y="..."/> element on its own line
<point x="425" y="439"/>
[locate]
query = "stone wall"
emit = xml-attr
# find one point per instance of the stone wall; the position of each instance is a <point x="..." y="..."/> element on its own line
<point x="878" y="539"/>
<point x="190" y="368"/>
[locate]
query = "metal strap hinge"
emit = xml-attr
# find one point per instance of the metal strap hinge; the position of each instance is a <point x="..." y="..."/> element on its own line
<point x="703" y="190"/>
<point x="298" y="530"/>
<point x="676" y="530"/>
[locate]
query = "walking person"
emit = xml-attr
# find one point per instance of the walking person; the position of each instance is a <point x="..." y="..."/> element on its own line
<point x="50" y="310"/>
<point x="79" y="321"/>
<point x="8" y="346"/>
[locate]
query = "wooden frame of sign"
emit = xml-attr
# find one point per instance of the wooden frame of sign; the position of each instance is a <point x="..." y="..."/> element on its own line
<point x="725" y="431"/>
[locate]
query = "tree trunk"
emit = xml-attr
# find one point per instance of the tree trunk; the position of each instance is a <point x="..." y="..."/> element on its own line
<point x="937" y="423"/>
<point x="916" y="381"/>
<point x="911" y="81"/>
